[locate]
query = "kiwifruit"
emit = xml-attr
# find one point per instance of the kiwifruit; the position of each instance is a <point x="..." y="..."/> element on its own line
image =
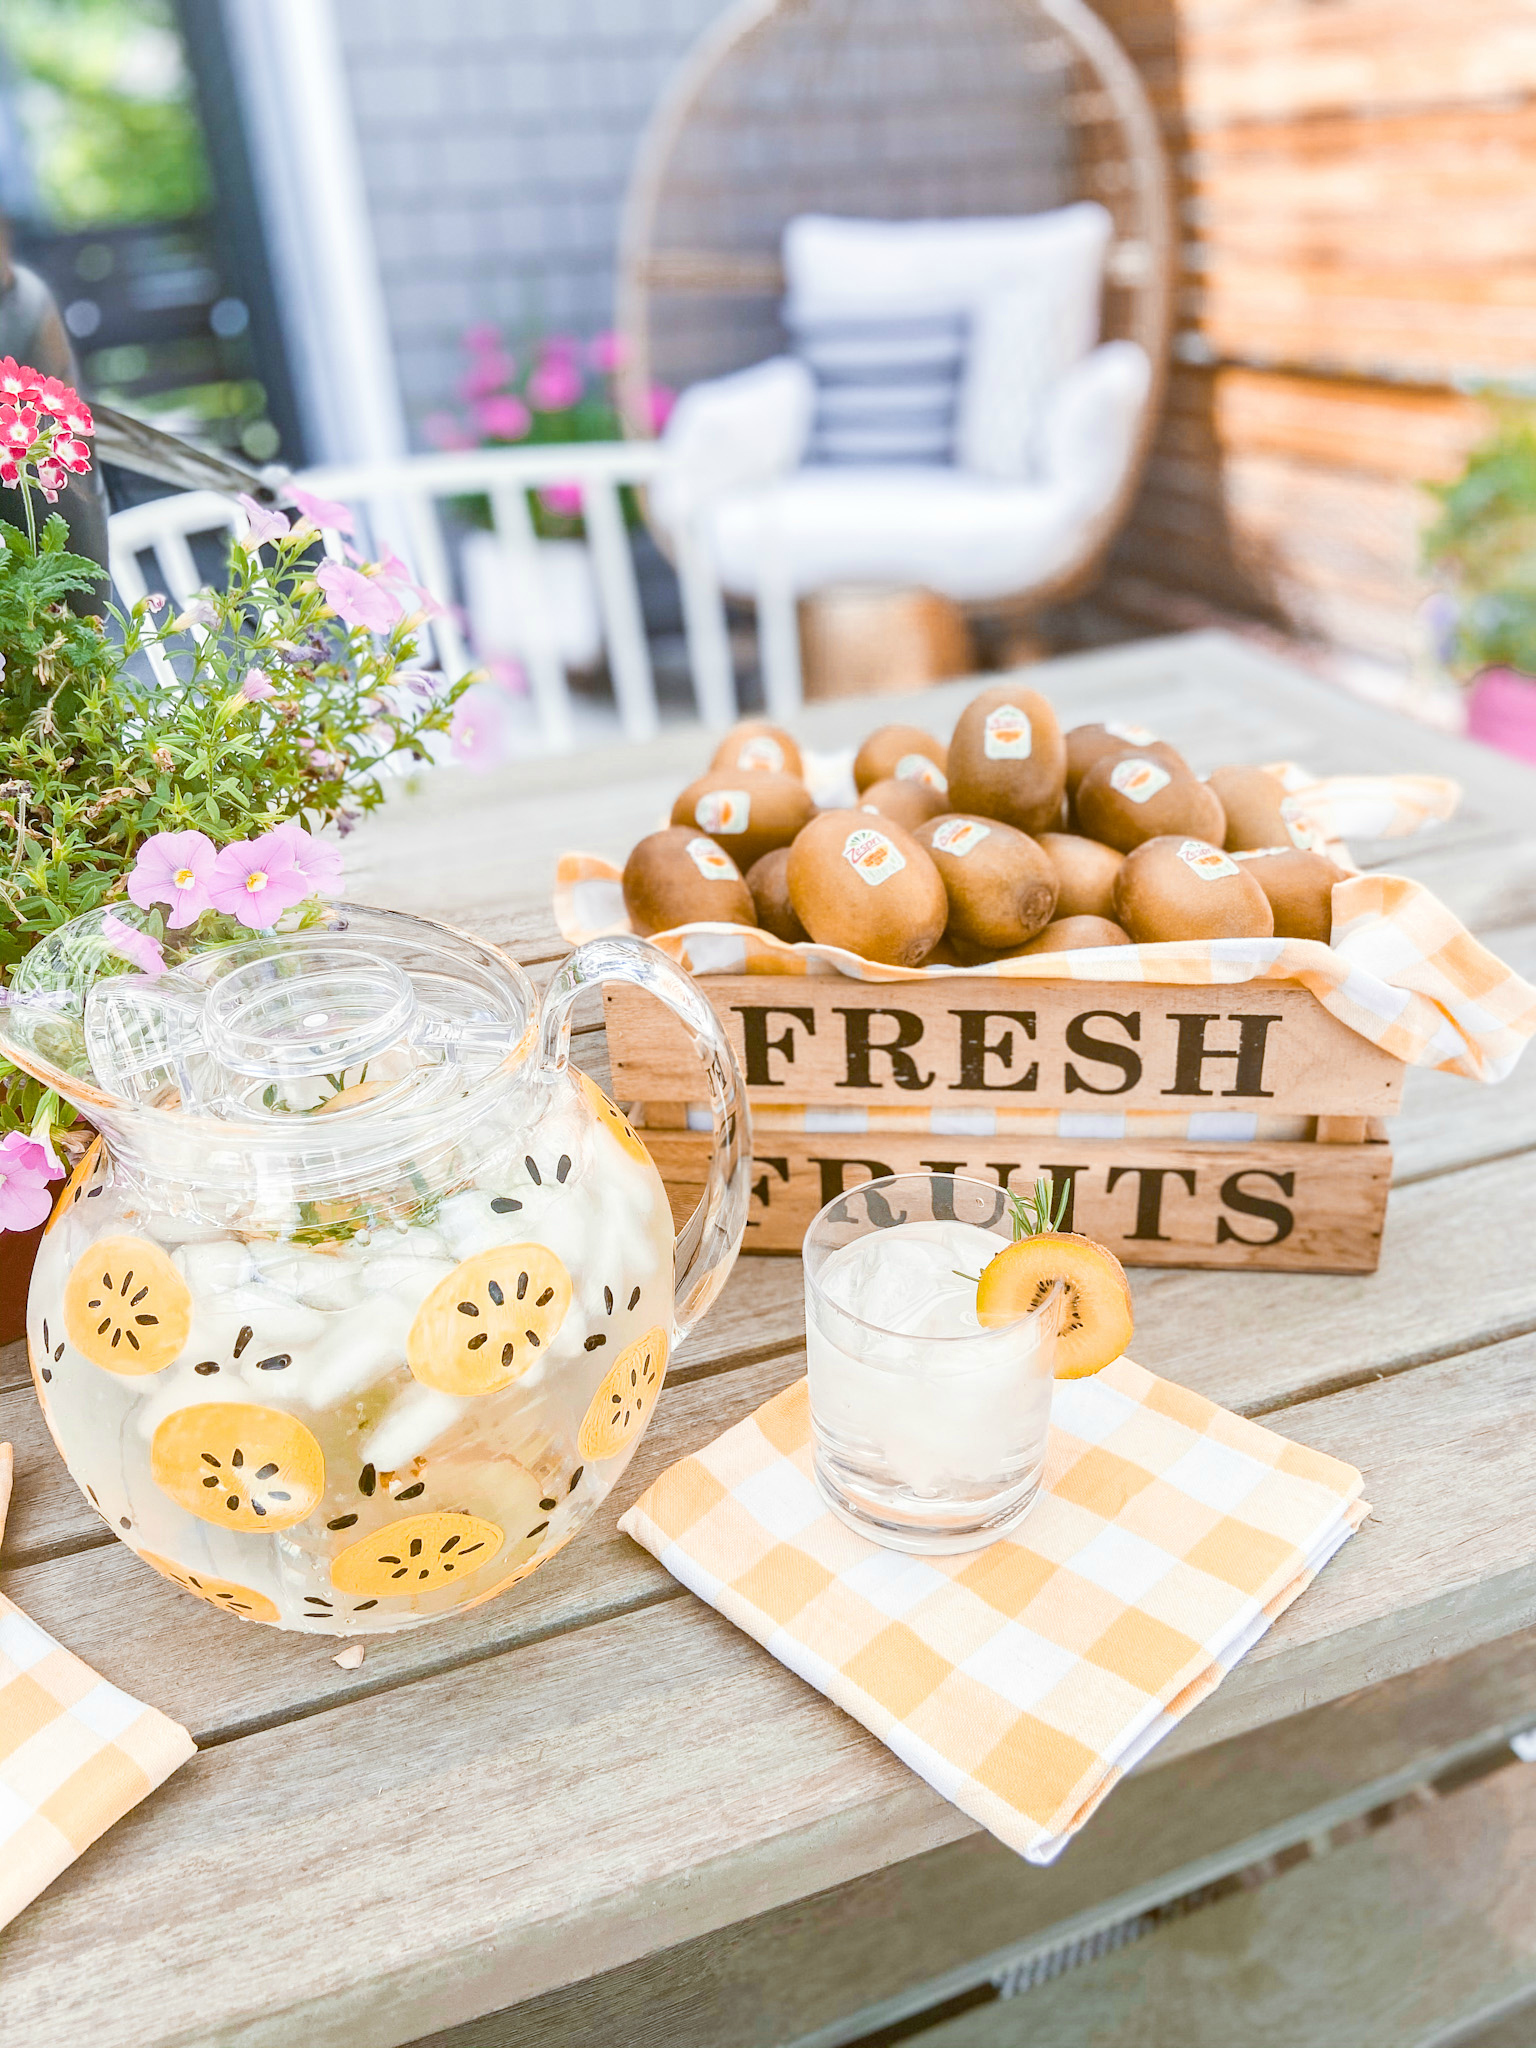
<point x="1067" y="934"/>
<point x="681" y="877"/>
<point x="1181" y="887"/>
<point x="908" y="803"/>
<point x="1000" y="885"/>
<point x="1256" y="806"/>
<point x="900" y="751"/>
<point x="1085" y="872"/>
<point x="1089" y="743"/>
<point x="1133" y="797"/>
<point x="1007" y="759"/>
<point x="1299" y="886"/>
<point x="750" y="812"/>
<point x="943" y="955"/>
<point x="863" y="882"/>
<point x="768" y="879"/>
<point x="757" y="748"/>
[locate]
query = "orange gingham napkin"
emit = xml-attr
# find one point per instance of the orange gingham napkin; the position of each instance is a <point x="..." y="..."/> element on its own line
<point x="1024" y="1680"/>
<point x="75" y="1753"/>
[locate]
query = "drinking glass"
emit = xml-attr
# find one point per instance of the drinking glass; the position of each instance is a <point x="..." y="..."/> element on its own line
<point x="929" y="1431"/>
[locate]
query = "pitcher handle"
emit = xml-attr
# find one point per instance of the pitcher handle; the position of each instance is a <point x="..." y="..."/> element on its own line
<point x="708" y="1242"/>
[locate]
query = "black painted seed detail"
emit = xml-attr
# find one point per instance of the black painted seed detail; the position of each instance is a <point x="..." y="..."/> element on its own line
<point x="549" y="1504"/>
<point x="237" y="1457"/>
<point x="508" y="1352"/>
<point x="412" y="1492"/>
<point x="267" y="1471"/>
<point x="564" y="1167"/>
<point x="476" y="1341"/>
<point x="342" y="1522"/>
<point x="233" y="1503"/>
<point x="208" y="1365"/>
<point x="450" y="1543"/>
<point x="522" y="1285"/>
<point x="209" y="1458"/>
<point x="243" y="1339"/>
<point x="533" y="1338"/>
<point x="545" y="1298"/>
<point x="415" y="1546"/>
<point x="634" y="1297"/>
<point x="277" y="1363"/>
<point x="537" y="1529"/>
<point x="467" y="1308"/>
<point x="576" y="1478"/>
<point x="58" y="1353"/>
<point x="47" y="1342"/>
<point x="138" y="1297"/>
<point x="212" y="1479"/>
<point x="364" y="1605"/>
<point x="533" y="1172"/>
<point x="367" y="1480"/>
<point x="608" y="1299"/>
<point x="593" y="1343"/>
<point x="504" y="1205"/>
<point x="47" y="1374"/>
<point x="493" y="1289"/>
<point x="90" y="1192"/>
<point x="123" y="1522"/>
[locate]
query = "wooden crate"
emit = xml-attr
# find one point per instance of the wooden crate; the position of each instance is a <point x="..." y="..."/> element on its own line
<point x="1080" y="1048"/>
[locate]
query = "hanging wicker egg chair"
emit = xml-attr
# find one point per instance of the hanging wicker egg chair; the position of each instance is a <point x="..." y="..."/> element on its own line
<point x="895" y="110"/>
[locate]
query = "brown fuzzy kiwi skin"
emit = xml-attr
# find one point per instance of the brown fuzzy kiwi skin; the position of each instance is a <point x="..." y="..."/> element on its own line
<point x="944" y="954"/>
<point x="727" y="759"/>
<point x="778" y="806"/>
<point x="908" y="804"/>
<point x="1184" y="805"/>
<point x="1299" y="887"/>
<point x="768" y="879"/>
<point x="1089" y="743"/>
<point x="1070" y="934"/>
<point x="1158" y="896"/>
<point x="1027" y="793"/>
<point x="663" y="888"/>
<point x="899" y="920"/>
<point x="1085" y="872"/>
<point x="1251" y="798"/>
<point x="877" y="759"/>
<point x="1001" y="892"/>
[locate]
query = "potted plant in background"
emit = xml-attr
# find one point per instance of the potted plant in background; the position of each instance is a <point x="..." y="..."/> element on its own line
<point x="1483" y="548"/>
<point x="187" y="803"/>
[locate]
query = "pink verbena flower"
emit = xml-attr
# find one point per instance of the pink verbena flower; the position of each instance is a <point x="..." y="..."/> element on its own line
<point x="359" y="600"/>
<point x="26" y="1167"/>
<point x="73" y="454"/>
<point x="174" y="868"/>
<point x="607" y="352"/>
<point x="18" y="384"/>
<point x="66" y="405"/>
<point x="317" y="860"/>
<point x="18" y="428"/>
<point x="257" y="686"/>
<point x="127" y="940"/>
<point x="255" y="881"/>
<point x="328" y="512"/>
<point x="555" y="385"/>
<point x="504" y="416"/>
<point x="263" y="523"/>
<point x="51" y="478"/>
<point x="481" y="732"/>
<point x="563" y="500"/>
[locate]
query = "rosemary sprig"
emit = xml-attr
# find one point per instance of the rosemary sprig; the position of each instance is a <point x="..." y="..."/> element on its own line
<point x="1037" y="1216"/>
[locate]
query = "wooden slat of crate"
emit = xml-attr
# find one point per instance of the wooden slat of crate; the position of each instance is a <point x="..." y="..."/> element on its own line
<point x="983" y="1043"/>
<point x="1291" y="1207"/>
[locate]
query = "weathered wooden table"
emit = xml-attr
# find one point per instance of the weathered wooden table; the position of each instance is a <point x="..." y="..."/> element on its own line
<point x="596" y="1803"/>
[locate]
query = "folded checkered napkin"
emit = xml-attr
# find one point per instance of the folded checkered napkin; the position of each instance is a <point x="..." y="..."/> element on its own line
<point x="1024" y="1680"/>
<point x="75" y="1753"/>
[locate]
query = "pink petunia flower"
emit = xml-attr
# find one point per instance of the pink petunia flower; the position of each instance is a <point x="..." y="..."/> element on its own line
<point x="481" y="731"/>
<point x="607" y="352"/>
<point x="447" y="431"/>
<point x="174" y="868"/>
<point x="555" y="385"/>
<point x="257" y="686"/>
<point x="263" y="523"/>
<point x="132" y="944"/>
<point x="26" y="1167"/>
<point x="394" y="575"/>
<point x="504" y="416"/>
<point x="317" y="860"/>
<point x="155" y="602"/>
<point x="18" y="384"/>
<point x="360" y="600"/>
<point x="200" y="612"/>
<point x="256" y="881"/>
<point x="324" y="763"/>
<point x="563" y="500"/>
<point x="327" y="512"/>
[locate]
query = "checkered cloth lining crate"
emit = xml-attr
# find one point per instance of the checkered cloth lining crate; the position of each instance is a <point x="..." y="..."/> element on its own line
<point x="1024" y="1680"/>
<point x="1402" y="970"/>
<point x="75" y="1753"/>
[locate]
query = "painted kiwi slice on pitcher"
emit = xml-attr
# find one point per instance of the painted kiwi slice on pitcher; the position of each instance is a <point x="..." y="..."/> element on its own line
<point x="608" y="1113"/>
<point x="1096" y="1319"/>
<point x="622" y="1405"/>
<point x="493" y="1317"/>
<point x="126" y="1307"/>
<point x="238" y="1465"/>
<point x="74" y="1187"/>
<point x="221" y="1593"/>
<point x="416" y="1555"/>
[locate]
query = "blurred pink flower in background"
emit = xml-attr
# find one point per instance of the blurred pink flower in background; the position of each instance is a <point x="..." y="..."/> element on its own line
<point x="446" y="430"/>
<point x="481" y="337"/>
<point x="358" y="599"/>
<point x="324" y="511"/>
<point x="489" y="371"/>
<point x="174" y="868"/>
<point x="481" y="732"/>
<point x="132" y="944"/>
<point x="255" y="881"/>
<point x="563" y="500"/>
<point x="505" y="416"/>
<point x="317" y="860"/>
<point x="555" y="385"/>
<point x="324" y="763"/>
<point x="565" y="346"/>
<point x="508" y="674"/>
<point x="262" y="522"/>
<point x="26" y="1167"/>
<point x="607" y="352"/>
<point x="661" y="401"/>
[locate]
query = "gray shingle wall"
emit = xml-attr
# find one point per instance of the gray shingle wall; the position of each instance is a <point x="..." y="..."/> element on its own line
<point x="497" y="138"/>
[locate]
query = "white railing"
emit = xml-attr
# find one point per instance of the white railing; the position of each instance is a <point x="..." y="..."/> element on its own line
<point x="399" y="502"/>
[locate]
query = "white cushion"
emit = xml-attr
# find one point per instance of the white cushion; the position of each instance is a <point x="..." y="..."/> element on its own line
<point x="1089" y="421"/>
<point x="733" y="432"/>
<point x="966" y="536"/>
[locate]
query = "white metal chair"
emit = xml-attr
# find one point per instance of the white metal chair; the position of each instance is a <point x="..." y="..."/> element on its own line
<point x="397" y="503"/>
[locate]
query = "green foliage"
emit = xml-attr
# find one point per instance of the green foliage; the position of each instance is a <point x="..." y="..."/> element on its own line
<point x="1484" y="545"/>
<point x="97" y="755"/>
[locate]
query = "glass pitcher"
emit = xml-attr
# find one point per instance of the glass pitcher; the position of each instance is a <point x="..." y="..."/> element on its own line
<point x="362" y="1298"/>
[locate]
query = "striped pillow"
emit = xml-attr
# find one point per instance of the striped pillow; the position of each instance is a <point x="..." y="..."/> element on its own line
<point x="887" y="385"/>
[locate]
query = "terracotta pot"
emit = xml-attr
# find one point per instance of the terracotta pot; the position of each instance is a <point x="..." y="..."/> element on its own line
<point x="18" y="1248"/>
<point x="1501" y="711"/>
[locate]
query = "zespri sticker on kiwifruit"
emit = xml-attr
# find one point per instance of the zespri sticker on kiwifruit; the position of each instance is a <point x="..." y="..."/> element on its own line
<point x="681" y="876"/>
<point x="1008" y="760"/>
<point x="126" y="1308"/>
<point x="892" y="749"/>
<point x="748" y="813"/>
<point x="755" y="747"/>
<point x="1087" y="744"/>
<point x="1125" y="799"/>
<point x="867" y="885"/>
<point x="1180" y="887"/>
<point x="1001" y="885"/>
<point x="482" y="1327"/>
<point x="1096" y="1319"/>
